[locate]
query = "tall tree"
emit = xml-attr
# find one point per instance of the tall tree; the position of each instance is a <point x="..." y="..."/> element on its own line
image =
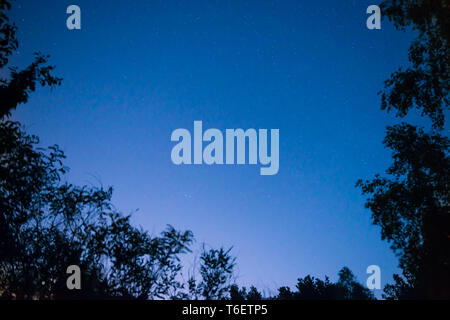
<point x="411" y="205"/>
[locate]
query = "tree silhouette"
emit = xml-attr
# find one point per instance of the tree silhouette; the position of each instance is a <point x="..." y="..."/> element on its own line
<point x="412" y="208"/>
<point x="48" y="224"/>
<point x="216" y="271"/>
<point x="412" y="205"/>
<point x="21" y="83"/>
<point x="241" y="294"/>
<point x="424" y="85"/>
<point x="311" y="288"/>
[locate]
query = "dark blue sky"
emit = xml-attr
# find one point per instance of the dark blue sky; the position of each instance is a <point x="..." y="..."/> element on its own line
<point x="140" y="69"/>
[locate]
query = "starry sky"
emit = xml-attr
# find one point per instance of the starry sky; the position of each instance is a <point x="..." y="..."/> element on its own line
<point x="137" y="70"/>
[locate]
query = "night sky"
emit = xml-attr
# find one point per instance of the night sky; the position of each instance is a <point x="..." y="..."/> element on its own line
<point x="137" y="70"/>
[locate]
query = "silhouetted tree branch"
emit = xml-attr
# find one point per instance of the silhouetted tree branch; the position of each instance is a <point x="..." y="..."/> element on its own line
<point x="17" y="88"/>
<point x="424" y="85"/>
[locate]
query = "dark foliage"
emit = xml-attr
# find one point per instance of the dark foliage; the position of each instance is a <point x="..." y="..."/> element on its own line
<point x="425" y="84"/>
<point x="216" y="271"/>
<point x="20" y="83"/>
<point x="411" y="205"/>
<point x="48" y="224"/>
<point x="241" y="294"/>
<point x="311" y="288"/>
<point x="412" y="208"/>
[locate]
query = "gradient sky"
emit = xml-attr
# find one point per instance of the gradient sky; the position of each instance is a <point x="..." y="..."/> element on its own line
<point x="140" y="69"/>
